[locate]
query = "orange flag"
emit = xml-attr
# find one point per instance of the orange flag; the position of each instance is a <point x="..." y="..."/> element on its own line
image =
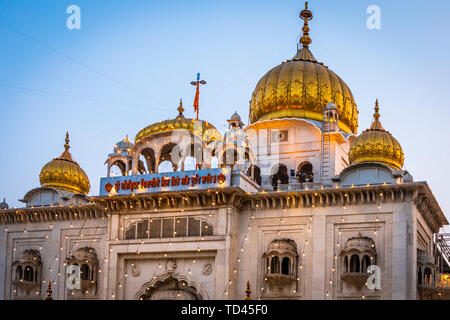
<point x="196" y="100"/>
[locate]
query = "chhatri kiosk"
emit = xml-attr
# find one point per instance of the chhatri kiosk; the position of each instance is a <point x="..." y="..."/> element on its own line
<point x="296" y="203"/>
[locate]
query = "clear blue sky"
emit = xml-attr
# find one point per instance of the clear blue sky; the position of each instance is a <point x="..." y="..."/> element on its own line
<point x="136" y="59"/>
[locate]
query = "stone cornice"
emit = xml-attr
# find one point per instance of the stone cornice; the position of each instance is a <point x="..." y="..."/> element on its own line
<point x="51" y="213"/>
<point x="419" y="193"/>
<point x="187" y="200"/>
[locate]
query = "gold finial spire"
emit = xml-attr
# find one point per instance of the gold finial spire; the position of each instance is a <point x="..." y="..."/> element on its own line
<point x="306" y="16"/>
<point x="248" y="292"/>
<point x="376" y="125"/>
<point x="67" y="146"/>
<point x="376" y="115"/>
<point x="180" y="110"/>
<point x="49" y="292"/>
<point x="66" y="154"/>
<point x="126" y="139"/>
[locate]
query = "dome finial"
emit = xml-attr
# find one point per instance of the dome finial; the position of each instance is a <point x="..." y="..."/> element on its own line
<point x="376" y="125"/>
<point x="67" y="146"/>
<point x="180" y="110"/>
<point x="306" y="16"/>
<point x="126" y="139"/>
<point x="376" y="115"/>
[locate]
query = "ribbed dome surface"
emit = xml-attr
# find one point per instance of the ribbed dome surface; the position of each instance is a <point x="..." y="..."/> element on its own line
<point x="65" y="174"/>
<point x="377" y="145"/>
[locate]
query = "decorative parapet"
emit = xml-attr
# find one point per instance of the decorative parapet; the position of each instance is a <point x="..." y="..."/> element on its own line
<point x="51" y="213"/>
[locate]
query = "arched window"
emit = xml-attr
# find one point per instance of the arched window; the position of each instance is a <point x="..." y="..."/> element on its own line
<point x="280" y="175"/>
<point x="214" y="162"/>
<point x="166" y="166"/>
<point x="118" y="169"/>
<point x="305" y="172"/>
<point x="354" y="264"/>
<point x="28" y="275"/>
<point x="275" y="265"/>
<point x="365" y="264"/>
<point x="419" y="277"/>
<point x="85" y="272"/>
<point x="19" y="273"/>
<point x="255" y="173"/>
<point x="190" y="163"/>
<point x="149" y="158"/>
<point x="428" y="277"/>
<point x="285" y="266"/>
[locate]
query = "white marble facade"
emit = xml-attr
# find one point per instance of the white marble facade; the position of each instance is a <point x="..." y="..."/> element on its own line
<point x="366" y="201"/>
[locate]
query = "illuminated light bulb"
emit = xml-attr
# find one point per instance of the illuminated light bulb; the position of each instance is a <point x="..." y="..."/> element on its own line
<point x="328" y="294"/>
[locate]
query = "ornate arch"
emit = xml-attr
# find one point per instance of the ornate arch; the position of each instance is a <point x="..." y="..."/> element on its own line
<point x="157" y="280"/>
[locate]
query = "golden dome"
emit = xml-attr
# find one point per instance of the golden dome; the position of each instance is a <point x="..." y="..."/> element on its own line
<point x="301" y="87"/>
<point x="65" y="174"/>
<point x="203" y="129"/>
<point x="377" y="145"/>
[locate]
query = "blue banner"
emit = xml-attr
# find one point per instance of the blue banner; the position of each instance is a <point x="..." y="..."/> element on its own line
<point x="163" y="182"/>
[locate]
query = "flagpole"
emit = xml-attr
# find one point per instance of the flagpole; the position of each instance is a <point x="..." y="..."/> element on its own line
<point x="197" y="93"/>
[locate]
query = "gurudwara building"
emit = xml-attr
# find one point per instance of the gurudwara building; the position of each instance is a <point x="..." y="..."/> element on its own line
<point x="295" y="205"/>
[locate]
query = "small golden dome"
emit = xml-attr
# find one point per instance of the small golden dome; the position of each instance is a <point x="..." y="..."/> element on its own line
<point x="301" y="87"/>
<point x="377" y="145"/>
<point x="65" y="174"/>
<point x="203" y="129"/>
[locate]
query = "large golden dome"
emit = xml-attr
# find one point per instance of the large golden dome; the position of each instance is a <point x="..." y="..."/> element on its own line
<point x="377" y="145"/>
<point x="203" y="129"/>
<point x="65" y="174"/>
<point x="301" y="88"/>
